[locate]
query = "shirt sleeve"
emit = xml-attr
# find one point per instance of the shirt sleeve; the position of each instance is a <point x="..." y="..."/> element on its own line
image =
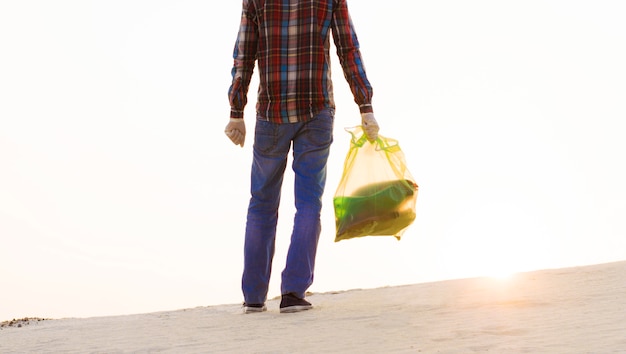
<point x="349" y="54"/>
<point x="244" y="56"/>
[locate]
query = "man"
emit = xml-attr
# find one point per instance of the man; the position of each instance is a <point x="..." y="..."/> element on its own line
<point x="295" y="108"/>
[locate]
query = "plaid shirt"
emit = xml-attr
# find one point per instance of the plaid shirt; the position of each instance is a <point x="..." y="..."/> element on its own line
<point x="290" y="40"/>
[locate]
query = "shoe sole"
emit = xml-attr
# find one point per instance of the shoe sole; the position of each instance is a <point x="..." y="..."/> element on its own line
<point x="247" y="309"/>
<point x="292" y="309"/>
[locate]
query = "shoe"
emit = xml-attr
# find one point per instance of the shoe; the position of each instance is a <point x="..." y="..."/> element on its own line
<point x="253" y="308"/>
<point x="290" y="303"/>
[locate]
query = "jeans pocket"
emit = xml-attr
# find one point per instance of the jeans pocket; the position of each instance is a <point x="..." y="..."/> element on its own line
<point x="265" y="136"/>
<point x="320" y="128"/>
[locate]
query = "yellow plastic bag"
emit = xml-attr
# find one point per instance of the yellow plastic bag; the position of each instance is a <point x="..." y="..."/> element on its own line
<point x="376" y="195"/>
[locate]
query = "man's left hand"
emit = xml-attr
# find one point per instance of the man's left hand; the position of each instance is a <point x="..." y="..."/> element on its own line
<point x="236" y="131"/>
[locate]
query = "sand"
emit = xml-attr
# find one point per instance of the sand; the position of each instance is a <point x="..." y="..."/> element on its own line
<point x="571" y="310"/>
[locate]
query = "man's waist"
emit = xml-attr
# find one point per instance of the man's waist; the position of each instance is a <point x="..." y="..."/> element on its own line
<point x="290" y="112"/>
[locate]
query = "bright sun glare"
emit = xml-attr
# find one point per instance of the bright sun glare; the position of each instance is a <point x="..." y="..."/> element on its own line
<point x="501" y="247"/>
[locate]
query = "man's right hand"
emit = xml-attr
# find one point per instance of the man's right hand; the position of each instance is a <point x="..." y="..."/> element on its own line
<point x="370" y="126"/>
<point x="236" y="131"/>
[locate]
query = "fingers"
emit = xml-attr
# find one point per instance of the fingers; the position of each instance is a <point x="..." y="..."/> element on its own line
<point x="371" y="134"/>
<point x="236" y="131"/>
<point x="235" y="136"/>
<point x="371" y="130"/>
<point x="370" y="126"/>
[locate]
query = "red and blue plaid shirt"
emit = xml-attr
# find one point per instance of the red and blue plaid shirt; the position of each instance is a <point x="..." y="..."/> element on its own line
<point x="290" y="40"/>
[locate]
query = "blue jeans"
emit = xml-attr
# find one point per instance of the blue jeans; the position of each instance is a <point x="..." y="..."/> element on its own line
<point x="272" y="142"/>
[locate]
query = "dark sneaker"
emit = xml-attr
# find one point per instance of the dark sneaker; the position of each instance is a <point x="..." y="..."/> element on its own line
<point x="253" y="308"/>
<point x="291" y="303"/>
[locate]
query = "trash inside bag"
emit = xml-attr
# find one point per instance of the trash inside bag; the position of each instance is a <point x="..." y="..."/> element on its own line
<point x="377" y="194"/>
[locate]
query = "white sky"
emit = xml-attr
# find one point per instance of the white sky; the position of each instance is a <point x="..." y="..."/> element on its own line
<point x="119" y="192"/>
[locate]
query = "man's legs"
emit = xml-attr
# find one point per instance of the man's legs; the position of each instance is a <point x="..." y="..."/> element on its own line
<point x="271" y="146"/>
<point x="311" y="147"/>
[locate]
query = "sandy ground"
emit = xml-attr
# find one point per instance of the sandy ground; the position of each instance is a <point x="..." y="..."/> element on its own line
<point x="572" y="310"/>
